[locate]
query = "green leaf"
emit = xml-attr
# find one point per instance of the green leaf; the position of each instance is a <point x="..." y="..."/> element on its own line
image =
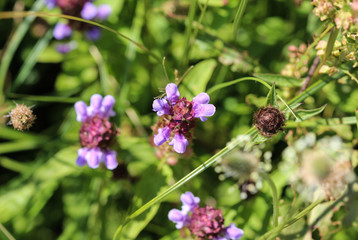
<point x="280" y="80"/>
<point x="257" y="139"/>
<point x="271" y="99"/>
<point x="197" y="79"/>
<point x="151" y="184"/>
<point x="292" y="106"/>
<point x="303" y="114"/>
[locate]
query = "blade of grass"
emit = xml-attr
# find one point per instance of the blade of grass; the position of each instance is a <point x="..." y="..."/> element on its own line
<point x="35" y="98"/>
<point x="238" y="16"/>
<point x="31" y="60"/>
<point x="322" y="122"/>
<point x="14" y="43"/>
<point x="188" y="32"/>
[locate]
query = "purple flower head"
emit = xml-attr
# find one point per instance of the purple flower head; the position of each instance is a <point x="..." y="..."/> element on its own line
<point x="103" y="11"/>
<point x="62" y="31"/>
<point x="206" y="222"/>
<point x="97" y="134"/>
<point x="189" y="202"/>
<point x="66" y="47"/>
<point x="89" y="11"/>
<point x="94" y="33"/>
<point x="233" y="233"/>
<point x="203" y="222"/>
<point x="179" y="116"/>
<point x="50" y="4"/>
<point x="181" y="219"/>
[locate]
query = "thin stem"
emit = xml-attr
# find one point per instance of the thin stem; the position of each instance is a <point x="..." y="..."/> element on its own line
<point x="6" y="15"/>
<point x="238" y="16"/>
<point x="319" y="122"/>
<point x="274" y="197"/>
<point x="307" y="79"/>
<point x="6" y="232"/>
<point x="275" y="231"/>
<point x="188" y="32"/>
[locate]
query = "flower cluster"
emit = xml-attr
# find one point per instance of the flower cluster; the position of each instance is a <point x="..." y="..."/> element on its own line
<point x="79" y="8"/>
<point x="298" y="61"/>
<point x="21" y="117"/>
<point x="97" y="134"/>
<point x="203" y="222"/>
<point x="178" y="117"/>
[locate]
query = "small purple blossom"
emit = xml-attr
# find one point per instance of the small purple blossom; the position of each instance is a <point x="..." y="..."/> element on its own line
<point x="97" y="134"/>
<point x="50" y="4"/>
<point x="66" y="47"/>
<point x="89" y="11"/>
<point x="93" y="33"/>
<point x="103" y="11"/>
<point x="178" y="116"/>
<point x="203" y="222"/>
<point x="62" y="31"/>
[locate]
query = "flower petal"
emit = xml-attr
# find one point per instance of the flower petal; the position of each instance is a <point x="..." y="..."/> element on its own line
<point x="110" y="159"/>
<point x="107" y="106"/>
<point x="162" y="136"/>
<point x="81" y="110"/>
<point x="204" y="110"/>
<point x="94" y="33"/>
<point x="96" y="104"/>
<point x="89" y="11"/>
<point x="178" y="217"/>
<point x="94" y="157"/>
<point x="189" y="201"/>
<point x="202" y="98"/>
<point x="61" y="31"/>
<point x="81" y="160"/>
<point x="172" y="92"/>
<point x="234" y="233"/>
<point x="179" y="143"/>
<point x="103" y="11"/>
<point x="161" y="106"/>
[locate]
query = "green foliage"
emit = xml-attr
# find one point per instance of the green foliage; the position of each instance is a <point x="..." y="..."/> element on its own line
<point x="235" y="51"/>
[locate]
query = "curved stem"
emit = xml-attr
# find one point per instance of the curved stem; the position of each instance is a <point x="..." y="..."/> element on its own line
<point x="5" y="15"/>
<point x="274" y="197"/>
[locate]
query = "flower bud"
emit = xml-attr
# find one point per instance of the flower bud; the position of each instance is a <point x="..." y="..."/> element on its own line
<point x="21" y="117"/>
<point x="269" y="121"/>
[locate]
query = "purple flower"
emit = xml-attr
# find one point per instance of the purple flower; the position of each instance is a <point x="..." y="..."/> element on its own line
<point x="62" y="31"/>
<point x="179" y="116"/>
<point x="178" y="217"/>
<point x="97" y="134"/>
<point x="94" y="33"/>
<point x="189" y="202"/>
<point x="66" y="47"/>
<point x="50" y="4"/>
<point x="89" y="11"/>
<point x="203" y="222"/>
<point x="103" y="11"/>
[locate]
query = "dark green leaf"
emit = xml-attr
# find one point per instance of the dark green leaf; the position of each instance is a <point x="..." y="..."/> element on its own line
<point x="305" y="114"/>
<point x="271" y="99"/>
<point x="280" y="80"/>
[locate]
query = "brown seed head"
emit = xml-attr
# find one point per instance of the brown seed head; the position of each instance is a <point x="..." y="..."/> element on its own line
<point x="269" y="121"/>
<point x="21" y="117"/>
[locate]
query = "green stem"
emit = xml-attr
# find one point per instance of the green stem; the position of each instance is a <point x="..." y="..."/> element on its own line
<point x="275" y="231"/>
<point x="42" y="98"/>
<point x="320" y="122"/>
<point x="274" y="197"/>
<point x="6" y="232"/>
<point x="188" y="32"/>
<point x="14" y="43"/>
<point x="239" y="13"/>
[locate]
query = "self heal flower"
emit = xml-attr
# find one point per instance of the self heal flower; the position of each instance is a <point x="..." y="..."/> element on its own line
<point x="203" y="222"/>
<point x="97" y="134"/>
<point x="62" y="31"/>
<point x="178" y="117"/>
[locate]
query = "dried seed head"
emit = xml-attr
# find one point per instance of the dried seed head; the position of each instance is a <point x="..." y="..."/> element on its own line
<point x="21" y="117"/>
<point x="269" y="121"/>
